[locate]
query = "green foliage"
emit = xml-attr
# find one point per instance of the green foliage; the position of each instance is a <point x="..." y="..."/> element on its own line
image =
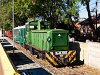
<point x="84" y="2"/>
<point x="68" y="9"/>
<point x="87" y="3"/>
<point x="56" y="11"/>
<point x="7" y="25"/>
<point x="4" y="14"/>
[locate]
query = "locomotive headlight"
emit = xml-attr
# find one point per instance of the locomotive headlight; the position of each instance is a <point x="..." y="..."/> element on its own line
<point x="59" y="35"/>
<point x="48" y="39"/>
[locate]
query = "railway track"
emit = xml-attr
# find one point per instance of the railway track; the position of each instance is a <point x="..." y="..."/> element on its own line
<point x="68" y="70"/>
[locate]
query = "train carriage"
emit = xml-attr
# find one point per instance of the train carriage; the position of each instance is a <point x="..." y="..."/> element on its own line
<point x="9" y="33"/>
<point x="19" y="34"/>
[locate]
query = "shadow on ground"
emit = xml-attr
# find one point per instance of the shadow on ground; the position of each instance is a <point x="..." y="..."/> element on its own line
<point x="19" y="59"/>
<point x="9" y="48"/>
<point x="3" y="40"/>
<point x="6" y="45"/>
<point x="35" y="71"/>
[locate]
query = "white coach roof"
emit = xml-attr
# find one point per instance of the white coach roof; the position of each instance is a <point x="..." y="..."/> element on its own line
<point x="19" y="27"/>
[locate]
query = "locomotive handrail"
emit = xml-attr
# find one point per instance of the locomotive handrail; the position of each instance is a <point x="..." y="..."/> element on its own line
<point x="6" y="64"/>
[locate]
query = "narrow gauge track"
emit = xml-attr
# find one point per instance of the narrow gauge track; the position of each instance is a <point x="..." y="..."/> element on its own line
<point x="68" y="70"/>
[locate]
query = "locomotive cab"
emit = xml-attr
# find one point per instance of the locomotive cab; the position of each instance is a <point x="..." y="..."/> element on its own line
<point x="59" y="45"/>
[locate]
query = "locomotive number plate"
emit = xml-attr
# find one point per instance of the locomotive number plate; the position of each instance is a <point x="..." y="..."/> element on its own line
<point x="60" y="52"/>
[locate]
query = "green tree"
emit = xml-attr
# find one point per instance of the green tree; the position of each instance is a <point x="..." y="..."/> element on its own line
<point x="4" y="12"/>
<point x="87" y="3"/>
<point x="67" y="11"/>
<point x="55" y="11"/>
<point x="23" y="11"/>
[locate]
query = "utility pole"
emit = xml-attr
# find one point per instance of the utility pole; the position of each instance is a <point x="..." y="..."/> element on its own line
<point x="0" y="13"/>
<point x="2" y="19"/>
<point x="13" y="22"/>
<point x="96" y="13"/>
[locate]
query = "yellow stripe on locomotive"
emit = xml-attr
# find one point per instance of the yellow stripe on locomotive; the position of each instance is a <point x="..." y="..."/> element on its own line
<point x="61" y="59"/>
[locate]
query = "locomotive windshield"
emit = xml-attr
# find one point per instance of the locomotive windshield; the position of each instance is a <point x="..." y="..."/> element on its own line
<point x="38" y="25"/>
<point x="45" y="25"/>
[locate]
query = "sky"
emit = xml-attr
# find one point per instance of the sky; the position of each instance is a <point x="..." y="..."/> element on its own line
<point x="83" y="11"/>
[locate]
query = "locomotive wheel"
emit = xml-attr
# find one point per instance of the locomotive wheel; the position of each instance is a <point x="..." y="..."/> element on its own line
<point x="38" y="55"/>
<point x="31" y="50"/>
<point x="23" y="45"/>
<point x="42" y="55"/>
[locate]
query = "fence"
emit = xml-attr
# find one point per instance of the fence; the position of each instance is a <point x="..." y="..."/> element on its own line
<point x="88" y="52"/>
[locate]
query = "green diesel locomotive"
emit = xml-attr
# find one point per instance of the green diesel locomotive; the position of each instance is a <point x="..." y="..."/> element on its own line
<point x="51" y="45"/>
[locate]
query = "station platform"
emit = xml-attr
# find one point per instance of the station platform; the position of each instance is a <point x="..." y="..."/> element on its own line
<point x="6" y="67"/>
<point x="15" y="62"/>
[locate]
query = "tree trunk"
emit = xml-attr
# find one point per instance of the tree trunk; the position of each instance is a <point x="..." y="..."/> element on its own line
<point x="51" y="21"/>
<point x="52" y="15"/>
<point x="89" y="16"/>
